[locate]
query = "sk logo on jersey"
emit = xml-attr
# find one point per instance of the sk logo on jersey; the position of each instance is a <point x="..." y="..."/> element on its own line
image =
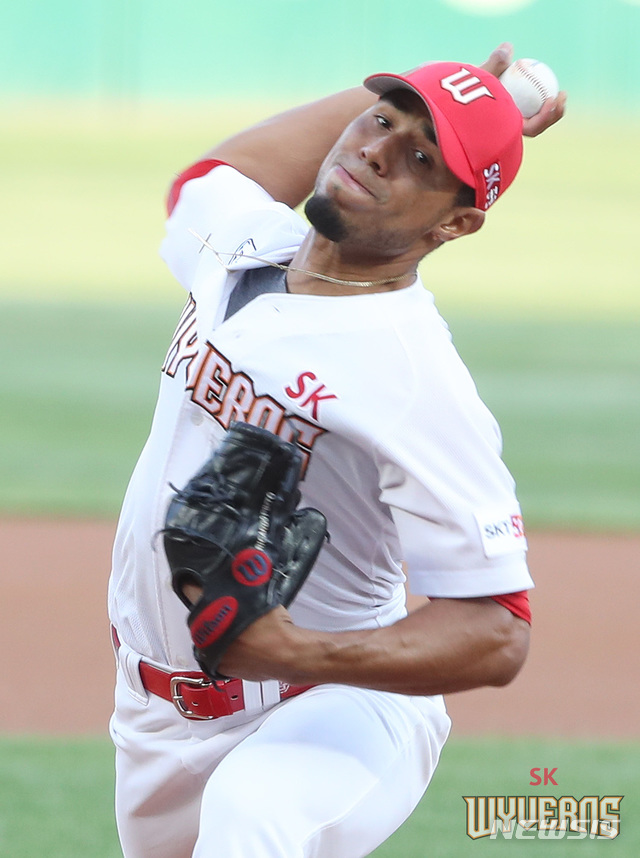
<point x="309" y="393"/>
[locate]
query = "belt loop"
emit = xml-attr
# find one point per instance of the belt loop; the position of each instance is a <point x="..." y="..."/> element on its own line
<point x="115" y="645"/>
<point x="252" y="692"/>
<point x="130" y="667"/>
<point x="270" y="692"/>
<point x="128" y="662"/>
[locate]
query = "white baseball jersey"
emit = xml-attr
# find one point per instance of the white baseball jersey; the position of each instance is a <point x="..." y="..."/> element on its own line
<point x="400" y="453"/>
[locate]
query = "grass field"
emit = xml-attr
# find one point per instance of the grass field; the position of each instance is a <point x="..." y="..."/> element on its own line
<point x="78" y="382"/>
<point x="56" y="798"/>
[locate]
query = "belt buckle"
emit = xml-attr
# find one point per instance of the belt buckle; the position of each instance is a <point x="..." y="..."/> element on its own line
<point x="178" y="701"/>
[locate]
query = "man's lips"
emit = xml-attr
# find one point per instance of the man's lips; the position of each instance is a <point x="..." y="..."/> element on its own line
<point x="350" y="180"/>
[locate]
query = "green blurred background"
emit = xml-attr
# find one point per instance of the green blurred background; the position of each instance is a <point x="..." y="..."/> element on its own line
<point x="141" y="49"/>
<point x="104" y="101"/>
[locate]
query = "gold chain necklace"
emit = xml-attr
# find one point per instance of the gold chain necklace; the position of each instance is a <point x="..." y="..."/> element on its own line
<point x="363" y="284"/>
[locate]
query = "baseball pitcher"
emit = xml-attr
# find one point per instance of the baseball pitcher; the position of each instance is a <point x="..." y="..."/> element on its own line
<point x="316" y="438"/>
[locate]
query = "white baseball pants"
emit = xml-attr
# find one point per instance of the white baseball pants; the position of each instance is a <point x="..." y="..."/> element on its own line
<point x="331" y="773"/>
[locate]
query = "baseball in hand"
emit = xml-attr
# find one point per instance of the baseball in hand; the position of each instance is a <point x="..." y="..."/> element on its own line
<point x="530" y="83"/>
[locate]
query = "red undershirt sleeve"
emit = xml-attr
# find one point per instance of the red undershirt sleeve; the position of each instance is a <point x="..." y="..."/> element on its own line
<point x="517" y="603"/>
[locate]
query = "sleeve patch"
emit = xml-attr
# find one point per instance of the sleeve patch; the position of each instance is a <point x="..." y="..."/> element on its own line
<point x="501" y="532"/>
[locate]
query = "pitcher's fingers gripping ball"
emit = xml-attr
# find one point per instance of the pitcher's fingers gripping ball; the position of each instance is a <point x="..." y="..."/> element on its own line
<point x="234" y="531"/>
<point x="530" y="83"/>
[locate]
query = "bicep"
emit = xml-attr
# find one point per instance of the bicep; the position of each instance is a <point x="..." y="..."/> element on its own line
<point x="283" y="154"/>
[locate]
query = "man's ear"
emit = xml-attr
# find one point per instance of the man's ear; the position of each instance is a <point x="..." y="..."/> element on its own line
<point x="463" y="221"/>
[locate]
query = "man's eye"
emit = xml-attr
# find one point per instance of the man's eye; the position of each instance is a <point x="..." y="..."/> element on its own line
<point x="421" y="157"/>
<point x="382" y="120"/>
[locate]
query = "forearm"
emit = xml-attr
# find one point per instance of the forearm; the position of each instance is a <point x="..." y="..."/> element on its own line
<point x="445" y="646"/>
<point x="283" y="154"/>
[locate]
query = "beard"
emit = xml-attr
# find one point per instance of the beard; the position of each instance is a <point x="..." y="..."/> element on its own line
<point x="325" y="218"/>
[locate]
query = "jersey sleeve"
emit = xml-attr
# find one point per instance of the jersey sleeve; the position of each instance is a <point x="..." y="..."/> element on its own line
<point x="450" y="495"/>
<point x="454" y="544"/>
<point x="195" y="171"/>
<point x="212" y="205"/>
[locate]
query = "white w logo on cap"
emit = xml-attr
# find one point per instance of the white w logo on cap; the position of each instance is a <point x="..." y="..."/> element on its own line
<point x="464" y="86"/>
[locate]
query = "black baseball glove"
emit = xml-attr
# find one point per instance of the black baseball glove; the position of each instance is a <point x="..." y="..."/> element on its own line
<point x="234" y="531"/>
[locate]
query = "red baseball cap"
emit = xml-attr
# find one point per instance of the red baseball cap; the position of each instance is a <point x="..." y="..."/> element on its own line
<point x="478" y="125"/>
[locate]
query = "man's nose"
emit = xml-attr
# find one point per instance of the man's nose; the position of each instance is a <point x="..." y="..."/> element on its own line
<point x="377" y="154"/>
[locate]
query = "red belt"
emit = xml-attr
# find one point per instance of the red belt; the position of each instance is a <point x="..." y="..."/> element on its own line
<point x="194" y="695"/>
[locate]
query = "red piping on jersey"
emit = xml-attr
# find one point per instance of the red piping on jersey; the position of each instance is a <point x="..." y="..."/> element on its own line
<point x="517" y="603"/>
<point x="195" y="171"/>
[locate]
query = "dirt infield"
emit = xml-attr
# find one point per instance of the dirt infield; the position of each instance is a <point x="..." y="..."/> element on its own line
<point x="582" y="678"/>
